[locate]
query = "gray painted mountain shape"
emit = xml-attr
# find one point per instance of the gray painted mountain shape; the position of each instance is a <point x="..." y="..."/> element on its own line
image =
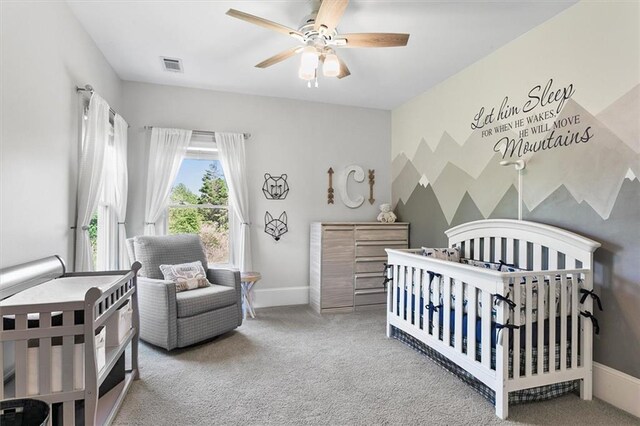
<point x="591" y="171"/>
<point x="404" y="184"/>
<point x="398" y="164"/>
<point x="450" y="187"/>
<point x="622" y="118"/>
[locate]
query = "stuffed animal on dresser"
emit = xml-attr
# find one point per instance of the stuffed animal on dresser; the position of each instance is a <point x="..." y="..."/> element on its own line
<point x="386" y="215"/>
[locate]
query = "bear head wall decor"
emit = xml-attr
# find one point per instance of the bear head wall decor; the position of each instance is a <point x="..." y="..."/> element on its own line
<point x="275" y="187"/>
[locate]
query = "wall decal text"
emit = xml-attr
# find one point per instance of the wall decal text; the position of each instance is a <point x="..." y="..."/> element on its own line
<point x="537" y="124"/>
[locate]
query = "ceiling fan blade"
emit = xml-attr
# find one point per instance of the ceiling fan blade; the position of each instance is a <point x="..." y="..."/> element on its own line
<point x="344" y="70"/>
<point x="330" y="13"/>
<point x="265" y="23"/>
<point x="374" y="39"/>
<point x="279" y="57"/>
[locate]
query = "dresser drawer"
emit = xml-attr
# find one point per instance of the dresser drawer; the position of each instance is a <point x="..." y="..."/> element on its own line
<point x="376" y="248"/>
<point x="381" y="233"/>
<point x="370" y="297"/>
<point x="370" y="264"/>
<point x="369" y="281"/>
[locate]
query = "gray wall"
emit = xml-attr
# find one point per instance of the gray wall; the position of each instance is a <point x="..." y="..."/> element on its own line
<point x="302" y="139"/>
<point x="45" y="54"/>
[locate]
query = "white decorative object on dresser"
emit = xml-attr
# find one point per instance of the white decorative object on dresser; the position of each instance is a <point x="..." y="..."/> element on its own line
<point x="346" y="264"/>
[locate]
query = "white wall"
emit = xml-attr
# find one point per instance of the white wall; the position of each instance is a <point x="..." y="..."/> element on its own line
<point x="299" y="138"/>
<point x="45" y="54"/>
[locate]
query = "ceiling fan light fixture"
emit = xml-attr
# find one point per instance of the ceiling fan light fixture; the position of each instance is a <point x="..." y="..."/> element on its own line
<point x="331" y="66"/>
<point x="307" y="74"/>
<point x="309" y="60"/>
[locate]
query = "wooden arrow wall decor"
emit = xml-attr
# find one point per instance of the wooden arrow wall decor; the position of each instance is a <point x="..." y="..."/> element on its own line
<point x="372" y="180"/>
<point x="330" y="190"/>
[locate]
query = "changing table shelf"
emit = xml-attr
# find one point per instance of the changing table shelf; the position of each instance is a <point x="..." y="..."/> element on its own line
<point x="59" y="325"/>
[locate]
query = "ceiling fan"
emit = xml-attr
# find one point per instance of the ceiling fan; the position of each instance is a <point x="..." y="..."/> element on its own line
<point x="319" y="37"/>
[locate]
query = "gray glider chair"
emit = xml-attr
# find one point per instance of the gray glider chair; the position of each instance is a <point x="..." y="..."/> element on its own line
<point x="175" y="320"/>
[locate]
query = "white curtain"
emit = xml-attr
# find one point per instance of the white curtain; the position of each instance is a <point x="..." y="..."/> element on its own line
<point x="167" y="150"/>
<point x="232" y="156"/>
<point x="90" y="177"/>
<point x="121" y="192"/>
<point x="112" y="251"/>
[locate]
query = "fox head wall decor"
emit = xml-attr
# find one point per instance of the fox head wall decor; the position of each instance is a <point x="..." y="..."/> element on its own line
<point x="275" y="227"/>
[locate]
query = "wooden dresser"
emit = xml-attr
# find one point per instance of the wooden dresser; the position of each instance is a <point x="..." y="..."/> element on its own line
<point x="347" y="263"/>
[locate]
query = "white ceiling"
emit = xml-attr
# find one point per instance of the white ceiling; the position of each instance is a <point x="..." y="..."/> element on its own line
<point x="219" y="52"/>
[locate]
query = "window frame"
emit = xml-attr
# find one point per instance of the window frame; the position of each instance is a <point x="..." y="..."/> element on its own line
<point x="201" y="149"/>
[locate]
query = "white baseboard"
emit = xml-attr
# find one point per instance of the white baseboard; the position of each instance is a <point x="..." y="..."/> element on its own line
<point x="617" y="388"/>
<point x="266" y="297"/>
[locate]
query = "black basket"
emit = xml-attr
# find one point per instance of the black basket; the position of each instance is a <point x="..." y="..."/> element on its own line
<point x="24" y="412"/>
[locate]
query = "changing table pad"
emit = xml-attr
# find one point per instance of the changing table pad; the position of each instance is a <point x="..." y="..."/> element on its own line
<point x="60" y="290"/>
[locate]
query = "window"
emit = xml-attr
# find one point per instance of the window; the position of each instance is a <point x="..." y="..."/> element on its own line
<point x="199" y="202"/>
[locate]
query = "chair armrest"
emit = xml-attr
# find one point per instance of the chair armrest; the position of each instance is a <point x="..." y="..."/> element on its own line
<point x="228" y="278"/>
<point x="158" y="312"/>
<point x="225" y="277"/>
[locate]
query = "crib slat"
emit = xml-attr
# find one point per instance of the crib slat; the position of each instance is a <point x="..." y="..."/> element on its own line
<point x="68" y="413"/>
<point x="522" y="254"/>
<point x="403" y="290"/>
<point x="446" y="313"/>
<point x="529" y="323"/>
<point x="537" y="257"/>
<point x="574" y="321"/>
<point x="509" y="257"/>
<point x="553" y="259"/>
<point x="563" y="322"/>
<point x="459" y="289"/>
<point x="417" y="292"/>
<point x="44" y="357"/>
<point x="21" y="358"/>
<point x="435" y="317"/>
<point x="415" y="297"/>
<point x="394" y="289"/>
<point x="487" y="249"/>
<point x="541" y="312"/>
<point x="497" y="250"/>
<point x="517" y="320"/>
<point x="67" y="354"/>
<point x="552" y="325"/>
<point x="486" y="329"/>
<point x="472" y="304"/>
<point x="476" y="249"/>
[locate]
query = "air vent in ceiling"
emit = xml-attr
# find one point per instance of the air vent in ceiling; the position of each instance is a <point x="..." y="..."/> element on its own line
<point x="171" y="64"/>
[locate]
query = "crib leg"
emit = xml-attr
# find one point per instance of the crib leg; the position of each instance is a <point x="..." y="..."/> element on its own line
<point x="502" y="403"/>
<point x="586" y="388"/>
<point x="388" y="329"/>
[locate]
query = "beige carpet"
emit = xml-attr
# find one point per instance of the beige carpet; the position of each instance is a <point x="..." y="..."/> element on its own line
<point x="291" y="366"/>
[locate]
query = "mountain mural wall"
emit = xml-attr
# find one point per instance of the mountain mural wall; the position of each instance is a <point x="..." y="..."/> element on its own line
<point x="455" y="169"/>
<point x="565" y="98"/>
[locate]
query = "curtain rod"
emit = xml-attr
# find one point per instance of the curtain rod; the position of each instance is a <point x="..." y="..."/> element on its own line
<point x="89" y="88"/>
<point x="203" y="132"/>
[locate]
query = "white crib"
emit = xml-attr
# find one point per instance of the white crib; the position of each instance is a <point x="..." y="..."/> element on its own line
<point x="448" y="305"/>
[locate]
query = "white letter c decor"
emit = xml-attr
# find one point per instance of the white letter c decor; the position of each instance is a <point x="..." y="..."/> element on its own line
<point x="358" y="176"/>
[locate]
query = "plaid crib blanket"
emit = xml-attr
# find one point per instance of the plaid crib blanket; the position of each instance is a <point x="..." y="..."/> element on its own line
<point x="540" y="393"/>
